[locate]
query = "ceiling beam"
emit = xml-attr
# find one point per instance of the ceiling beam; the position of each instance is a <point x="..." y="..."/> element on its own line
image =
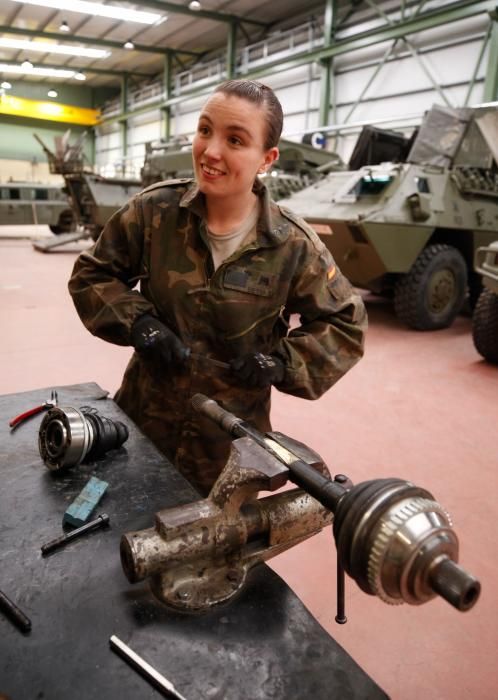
<point x="98" y="71"/>
<point x="70" y="38"/>
<point x="206" y="14"/>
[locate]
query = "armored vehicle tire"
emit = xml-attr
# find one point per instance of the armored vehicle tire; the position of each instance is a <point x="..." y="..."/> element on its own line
<point x="485" y="326"/>
<point x="432" y="293"/>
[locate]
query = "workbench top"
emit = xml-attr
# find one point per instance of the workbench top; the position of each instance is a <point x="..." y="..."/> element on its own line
<point x="264" y="644"/>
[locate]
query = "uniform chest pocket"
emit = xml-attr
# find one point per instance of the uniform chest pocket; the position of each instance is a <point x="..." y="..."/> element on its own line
<point x="257" y="282"/>
<point x="251" y="302"/>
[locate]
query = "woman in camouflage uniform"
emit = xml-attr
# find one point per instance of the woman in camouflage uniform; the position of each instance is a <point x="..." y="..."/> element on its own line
<point x="220" y="268"/>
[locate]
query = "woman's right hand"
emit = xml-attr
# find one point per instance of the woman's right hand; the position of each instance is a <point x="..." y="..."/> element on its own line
<point x="257" y="370"/>
<point x="156" y="342"/>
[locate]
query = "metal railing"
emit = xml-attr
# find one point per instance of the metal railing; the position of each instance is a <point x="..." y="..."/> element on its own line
<point x="304" y="37"/>
<point x="145" y="94"/>
<point x="198" y="75"/>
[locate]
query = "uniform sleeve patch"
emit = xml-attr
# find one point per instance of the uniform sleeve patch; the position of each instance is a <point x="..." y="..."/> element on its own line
<point x="340" y="288"/>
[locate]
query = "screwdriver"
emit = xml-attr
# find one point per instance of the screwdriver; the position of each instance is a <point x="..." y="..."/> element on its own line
<point x="14" y="613"/>
<point x="204" y="358"/>
<point x="146" y="670"/>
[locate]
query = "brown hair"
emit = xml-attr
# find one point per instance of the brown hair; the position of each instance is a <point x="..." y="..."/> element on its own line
<point x="258" y="94"/>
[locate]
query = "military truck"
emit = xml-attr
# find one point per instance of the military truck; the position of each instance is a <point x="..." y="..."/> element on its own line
<point x="24" y="203"/>
<point x="485" y="317"/>
<point x="93" y="198"/>
<point x="409" y="229"/>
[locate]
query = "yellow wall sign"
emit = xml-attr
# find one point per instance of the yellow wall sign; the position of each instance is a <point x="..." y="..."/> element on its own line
<point x="53" y="111"/>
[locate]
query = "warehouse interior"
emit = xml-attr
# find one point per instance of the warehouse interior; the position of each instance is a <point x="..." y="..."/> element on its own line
<point x="104" y="87"/>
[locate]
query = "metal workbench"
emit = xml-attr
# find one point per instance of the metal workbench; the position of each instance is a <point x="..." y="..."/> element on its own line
<point x="264" y="644"/>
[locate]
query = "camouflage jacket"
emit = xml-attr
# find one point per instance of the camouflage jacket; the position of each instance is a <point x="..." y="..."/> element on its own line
<point x="158" y="240"/>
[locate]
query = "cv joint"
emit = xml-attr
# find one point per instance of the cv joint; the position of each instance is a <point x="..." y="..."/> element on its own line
<point x="68" y="436"/>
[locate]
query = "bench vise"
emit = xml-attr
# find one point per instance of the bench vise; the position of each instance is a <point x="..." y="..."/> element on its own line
<point x="391" y="536"/>
<point x="199" y="554"/>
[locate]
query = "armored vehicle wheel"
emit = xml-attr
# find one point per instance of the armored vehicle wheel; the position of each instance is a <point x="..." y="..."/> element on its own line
<point x="485" y="326"/>
<point x="432" y="293"/>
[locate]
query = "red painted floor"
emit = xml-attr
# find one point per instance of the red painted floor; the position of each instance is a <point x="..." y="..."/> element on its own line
<point x="421" y="406"/>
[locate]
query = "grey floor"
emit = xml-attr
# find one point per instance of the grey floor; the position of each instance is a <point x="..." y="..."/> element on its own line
<point x="421" y="406"/>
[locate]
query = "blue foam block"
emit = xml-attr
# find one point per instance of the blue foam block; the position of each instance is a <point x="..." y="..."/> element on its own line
<point x="81" y="508"/>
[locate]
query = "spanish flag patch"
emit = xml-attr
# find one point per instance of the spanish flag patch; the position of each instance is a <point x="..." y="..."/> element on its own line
<point x="331" y="272"/>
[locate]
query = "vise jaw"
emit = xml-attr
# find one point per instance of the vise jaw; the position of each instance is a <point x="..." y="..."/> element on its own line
<point x="199" y="554"/>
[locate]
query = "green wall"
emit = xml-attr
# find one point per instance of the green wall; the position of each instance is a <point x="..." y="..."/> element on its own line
<point x="18" y="143"/>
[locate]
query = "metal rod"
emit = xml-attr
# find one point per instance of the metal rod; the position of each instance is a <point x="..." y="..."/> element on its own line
<point x="14" y="613"/>
<point x="340" y="618"/>
<point x="380" y="11"/>
<point x="426" y="70"/>
<point x="378" y="68"/>
<point x="146" y="670"/>
<point x="101" y="521"/>
<point x="419" y="8"/>
<point x="326" y="491"/>
<point x="478" y="65"/>
<point x="209" y="360"/>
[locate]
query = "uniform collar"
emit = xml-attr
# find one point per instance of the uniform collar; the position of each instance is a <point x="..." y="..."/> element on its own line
<point x="272" y="227"/>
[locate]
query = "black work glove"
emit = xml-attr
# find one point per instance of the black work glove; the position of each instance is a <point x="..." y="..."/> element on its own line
<point x="154" y="341"/>
<point x="257" y="370"/>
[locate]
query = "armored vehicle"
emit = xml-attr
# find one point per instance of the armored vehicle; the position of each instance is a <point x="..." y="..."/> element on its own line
<point x="485" y="317"/>
<point x="298" y="166"/>
<point x="410" y="228"/>
<point x="165" y="160"/>
<point x="23" y="203"/>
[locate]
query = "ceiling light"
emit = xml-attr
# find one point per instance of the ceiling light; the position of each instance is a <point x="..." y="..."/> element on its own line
<point x="194" y="5"/>
<point x="64" y="27"/>
<point x="45" y="72"/>
<point x="129" y="45"/>
<point x="80" y="76"/>
<point x="5" y="85"/>
<point x="26" y="65"/>
<point x="97" y="10"/>
<point x="47" y="47"/>
<point x="52" y="93"/>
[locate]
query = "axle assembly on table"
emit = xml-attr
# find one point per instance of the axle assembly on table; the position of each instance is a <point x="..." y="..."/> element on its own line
<point x="392" y="537"/>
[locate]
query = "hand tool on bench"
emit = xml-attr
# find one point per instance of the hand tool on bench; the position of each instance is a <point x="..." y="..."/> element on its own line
<point x="101" y="521"/>
<point x="156" y="679"/>
<point x="49" y="403"/>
